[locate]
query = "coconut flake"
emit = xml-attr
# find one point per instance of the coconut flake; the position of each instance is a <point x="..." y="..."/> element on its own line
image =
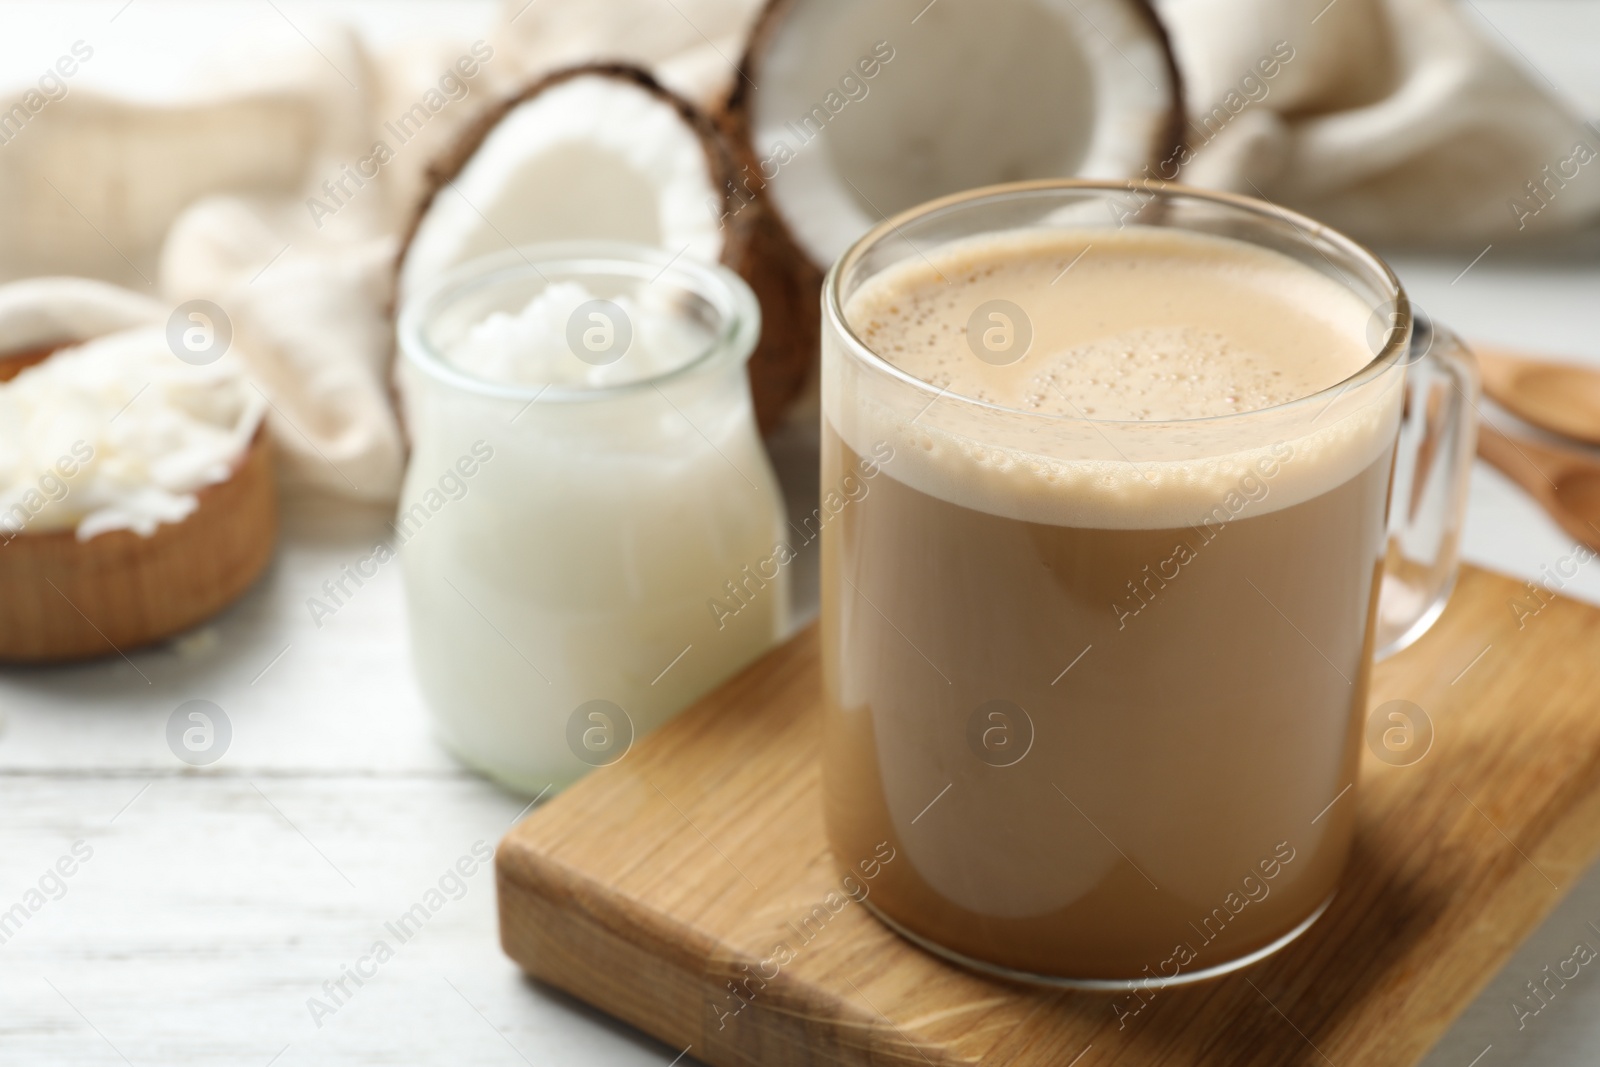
<point x="117" y="434"/>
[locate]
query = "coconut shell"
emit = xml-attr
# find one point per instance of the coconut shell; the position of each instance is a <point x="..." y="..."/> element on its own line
<point x="14" y="363"/>
<point x="1174" y="134"/>
<point x="755" y="243"/>
<point x="735" y="118"/>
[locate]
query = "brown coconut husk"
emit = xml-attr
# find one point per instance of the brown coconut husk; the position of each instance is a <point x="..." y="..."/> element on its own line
<point x="14" y="363"/>
<point x="755" y="243"/>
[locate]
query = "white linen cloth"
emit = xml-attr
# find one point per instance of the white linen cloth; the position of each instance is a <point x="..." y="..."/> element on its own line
<point x="1395" y="120"/>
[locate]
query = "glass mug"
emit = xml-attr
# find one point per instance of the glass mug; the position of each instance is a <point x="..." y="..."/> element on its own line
<point x="1077" y="796"/>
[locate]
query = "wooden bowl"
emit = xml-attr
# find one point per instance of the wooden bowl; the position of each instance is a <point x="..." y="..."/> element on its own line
<point x="65" y="599"/>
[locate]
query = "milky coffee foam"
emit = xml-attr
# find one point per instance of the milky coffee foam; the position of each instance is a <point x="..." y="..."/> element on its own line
<point x="1158" y="331"/>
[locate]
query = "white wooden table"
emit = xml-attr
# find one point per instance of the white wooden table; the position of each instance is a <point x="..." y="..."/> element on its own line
<point x="219" y="904"/>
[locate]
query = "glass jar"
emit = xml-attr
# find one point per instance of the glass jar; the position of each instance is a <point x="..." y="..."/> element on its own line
<point x="587" y="554"/>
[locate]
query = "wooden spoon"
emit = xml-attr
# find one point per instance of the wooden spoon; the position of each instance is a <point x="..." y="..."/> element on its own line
<point x="1558" y="397"/>
<point x="1566" y="483"/>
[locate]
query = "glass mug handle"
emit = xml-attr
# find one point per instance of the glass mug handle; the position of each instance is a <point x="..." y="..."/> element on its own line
<point x="1428" y="498"/>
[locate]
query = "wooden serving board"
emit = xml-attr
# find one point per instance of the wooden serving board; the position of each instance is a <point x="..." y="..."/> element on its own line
<point x="653" y="883"/>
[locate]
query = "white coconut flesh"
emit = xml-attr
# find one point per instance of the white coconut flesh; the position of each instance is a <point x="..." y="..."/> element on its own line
<point x="589" y="157"/>
<point x="973" y="92"/>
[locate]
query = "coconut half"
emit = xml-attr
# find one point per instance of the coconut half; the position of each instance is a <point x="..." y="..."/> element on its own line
<point x="866" y="109"/>
<point x="603" y="151"/>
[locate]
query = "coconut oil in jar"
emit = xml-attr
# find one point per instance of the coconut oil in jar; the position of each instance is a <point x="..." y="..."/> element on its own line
<point x="586" y="480"/>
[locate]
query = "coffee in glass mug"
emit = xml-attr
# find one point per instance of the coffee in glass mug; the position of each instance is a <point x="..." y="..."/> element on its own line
<point x="1097" y="635"/>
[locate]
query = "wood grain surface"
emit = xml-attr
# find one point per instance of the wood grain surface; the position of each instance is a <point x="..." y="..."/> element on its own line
<point x="656" y="882"/>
